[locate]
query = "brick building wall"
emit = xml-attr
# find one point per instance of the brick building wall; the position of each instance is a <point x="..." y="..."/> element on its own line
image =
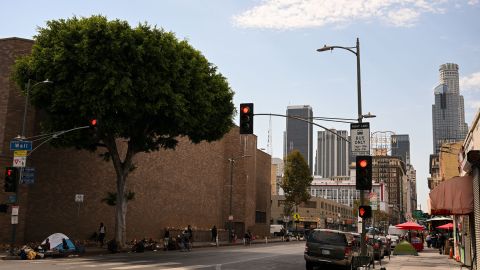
<point x="12" y="104"/>
<point x="173" y="188"/>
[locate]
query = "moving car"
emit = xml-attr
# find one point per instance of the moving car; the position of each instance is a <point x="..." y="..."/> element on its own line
<point x="329" y="247"/>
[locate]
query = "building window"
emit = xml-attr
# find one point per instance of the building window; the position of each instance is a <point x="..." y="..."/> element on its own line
<point x="260" y="217"/>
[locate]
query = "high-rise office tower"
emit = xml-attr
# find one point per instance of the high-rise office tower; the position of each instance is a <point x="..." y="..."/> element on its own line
<point x="448" y="112"/>
<point x="400" y="145"/>
<point x="299" y="134"/>
<point x="332" y="154"/>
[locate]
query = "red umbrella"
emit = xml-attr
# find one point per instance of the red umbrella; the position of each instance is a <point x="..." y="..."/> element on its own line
<point x="410" y="226"/>
<point x="448" y="226"/>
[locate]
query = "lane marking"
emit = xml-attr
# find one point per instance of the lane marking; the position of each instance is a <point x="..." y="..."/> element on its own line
<point x="143" y="266"/>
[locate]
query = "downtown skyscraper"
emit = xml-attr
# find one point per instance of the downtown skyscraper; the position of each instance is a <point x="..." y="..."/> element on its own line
<point x="299" y="134"/>
<point x="400" y="145"/>
<point x="448" y="112"/>
<point x="332" y="154"/>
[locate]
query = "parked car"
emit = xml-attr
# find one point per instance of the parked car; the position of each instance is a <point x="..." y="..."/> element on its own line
<point x="356" y="237"/>
<point x="329" y="247"/>
<point x="277" y="229"/>
<point x="387" y="244"/>
<point x="378" y="248"/>
<point x="394" y="239"/>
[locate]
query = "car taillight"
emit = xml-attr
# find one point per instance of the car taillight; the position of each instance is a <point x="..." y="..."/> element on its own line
<point x="348" y="250"/>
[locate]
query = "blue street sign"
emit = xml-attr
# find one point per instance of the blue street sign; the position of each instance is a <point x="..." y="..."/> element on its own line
<point x="12" y="198"/>
<point x="28" y="176"/>
<point x="21" y="145"/>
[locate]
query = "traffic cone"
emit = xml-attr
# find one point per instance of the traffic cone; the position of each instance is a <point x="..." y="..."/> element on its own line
<point x="451" y="253"/>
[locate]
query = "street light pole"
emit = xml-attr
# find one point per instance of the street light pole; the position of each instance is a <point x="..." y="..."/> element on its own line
<point x="230" y="213"/>
<point x="28" y="87"/>
<point x="355" y="50"/>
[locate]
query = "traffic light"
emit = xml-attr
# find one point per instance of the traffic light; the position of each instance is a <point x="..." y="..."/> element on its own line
<point x="93" y="123"/>
<point x="364" y="173"/>
<point x="246" y="118"/>
<point x="365" y="211"/>
<point x="11" y="179"/>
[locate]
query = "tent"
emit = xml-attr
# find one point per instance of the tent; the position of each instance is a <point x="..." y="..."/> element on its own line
<point x="404" y="248"/>
<point x="56" y="242"/>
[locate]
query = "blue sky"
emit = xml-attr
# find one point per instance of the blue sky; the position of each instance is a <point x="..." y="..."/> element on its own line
<point x="266" y="49"/>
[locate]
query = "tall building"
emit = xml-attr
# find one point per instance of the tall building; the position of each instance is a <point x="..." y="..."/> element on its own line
<point x="448" y="112"/>
<point x="400" y="145"/>
<point x="299" y="134"/>
<point x="332" y="154"/>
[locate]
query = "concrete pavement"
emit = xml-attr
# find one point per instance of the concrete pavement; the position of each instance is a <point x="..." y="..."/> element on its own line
<point x="428" y="258"/>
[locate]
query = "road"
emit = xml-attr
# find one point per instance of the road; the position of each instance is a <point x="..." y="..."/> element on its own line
<point x="286" y="256"/>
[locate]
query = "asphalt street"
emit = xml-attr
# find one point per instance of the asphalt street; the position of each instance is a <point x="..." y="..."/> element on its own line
<point x="287" y="256"/>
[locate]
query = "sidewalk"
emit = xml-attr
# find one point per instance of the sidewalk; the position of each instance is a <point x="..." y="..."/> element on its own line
<point x="428" y="258"/>
<point x="92" y="251"/>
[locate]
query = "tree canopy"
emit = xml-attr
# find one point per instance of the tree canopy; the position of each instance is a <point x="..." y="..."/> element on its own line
<point x="297" y="178"/>
<point x="142" y="84"/>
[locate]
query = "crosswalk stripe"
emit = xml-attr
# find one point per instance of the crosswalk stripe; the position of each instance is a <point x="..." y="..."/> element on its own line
<point x="142" y="266"/>
<point x="190" y="267"/>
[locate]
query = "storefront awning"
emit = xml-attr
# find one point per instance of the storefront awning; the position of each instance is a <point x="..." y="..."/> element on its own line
<point x="453" y="197"/>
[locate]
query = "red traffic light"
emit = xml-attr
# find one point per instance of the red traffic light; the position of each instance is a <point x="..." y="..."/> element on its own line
<point x="245" y="109"/>
<point x="365" y="211"/>
<point x="363" y="163"/>
<point x="361" y="211"/>
<point x="9" y="172"/>
<point x="93" y="122"/>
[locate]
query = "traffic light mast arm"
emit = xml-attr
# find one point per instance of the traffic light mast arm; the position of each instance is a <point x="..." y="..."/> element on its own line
<point x="304" y="120"/>
<point x="52" y="136"/>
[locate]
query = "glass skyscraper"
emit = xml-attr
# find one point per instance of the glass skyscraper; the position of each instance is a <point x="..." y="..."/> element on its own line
<point x="400" y="145"/>
<point x="448" y="112"/>
<point x="299" y="134"/>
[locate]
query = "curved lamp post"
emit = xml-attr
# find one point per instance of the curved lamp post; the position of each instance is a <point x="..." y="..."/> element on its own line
<point x="355" y="50"/>
<point x="28" y="87"/>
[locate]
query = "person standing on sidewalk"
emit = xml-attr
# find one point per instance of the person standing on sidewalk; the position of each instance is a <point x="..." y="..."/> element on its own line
<point x="214" y="234"/>
<point x="101" y="234"/>
<point x="190" y="236"/>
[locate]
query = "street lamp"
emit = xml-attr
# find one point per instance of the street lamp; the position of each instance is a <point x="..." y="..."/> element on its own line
<point x="230" y="216"/>
<point x="28" y="87"/>
<point x="355" y="50"/>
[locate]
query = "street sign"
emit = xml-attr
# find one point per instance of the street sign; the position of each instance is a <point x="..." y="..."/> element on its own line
<point x="12" y="198"/>
<point x="20" y="153"/>
<point x="78" y="198"/>
<point x="21" y="145"/>
<point x="28" y="176"/>
<point x="360" y="138"/>
<point x="15" y="210"/>
<point x="19" y="161"/>
<point x="14" y="219"/>
<point x="296" y="216"/>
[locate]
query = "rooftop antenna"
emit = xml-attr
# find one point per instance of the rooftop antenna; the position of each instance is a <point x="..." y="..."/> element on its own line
<point x="269" y="144"/>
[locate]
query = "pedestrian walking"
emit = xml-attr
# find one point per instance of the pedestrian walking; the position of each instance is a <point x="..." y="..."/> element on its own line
<point x="429" y="240"/>
<point x="441" y="244"/>
<point x="214" y="234"/>
<point x="102" y="230"/>
<point x="166" y="239"/>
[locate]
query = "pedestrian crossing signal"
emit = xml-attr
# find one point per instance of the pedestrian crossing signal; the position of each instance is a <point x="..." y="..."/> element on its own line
<point x="11" y="179"/>
<point x="365" y="211"/>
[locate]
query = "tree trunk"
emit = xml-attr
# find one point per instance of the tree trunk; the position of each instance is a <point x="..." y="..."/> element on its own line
<point x="121" y="212"/>
<point x="122" y="168"/>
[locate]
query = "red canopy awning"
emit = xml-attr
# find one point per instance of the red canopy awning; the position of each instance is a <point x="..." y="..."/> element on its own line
<point x="448" y="226"/>
<point x="409" y="226"/>
<point x="453" y="196"/>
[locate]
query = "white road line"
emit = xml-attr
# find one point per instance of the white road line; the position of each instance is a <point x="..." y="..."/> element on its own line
<point x="104" y="264"/>
<point x="142" y="266"/>
<point x="190" y="267"/>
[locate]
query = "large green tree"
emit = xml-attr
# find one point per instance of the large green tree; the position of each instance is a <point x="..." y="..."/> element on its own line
<point x="297" y="178"/>
<point x="145" y="87"/>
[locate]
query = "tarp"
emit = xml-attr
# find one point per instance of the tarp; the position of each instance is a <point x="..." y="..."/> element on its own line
<point x="439" y="219"/>
<point x="453" y="196"/>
